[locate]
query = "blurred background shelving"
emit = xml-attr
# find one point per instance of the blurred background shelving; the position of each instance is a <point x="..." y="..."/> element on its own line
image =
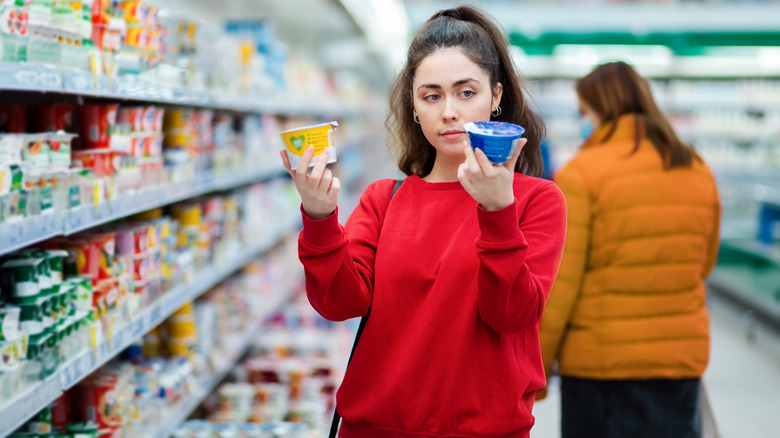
<point x="237" y="73"/>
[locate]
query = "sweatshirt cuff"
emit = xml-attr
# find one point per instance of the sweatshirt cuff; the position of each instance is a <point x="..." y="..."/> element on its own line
<point x="498" y="225"/>
<point x="321" y="232"/>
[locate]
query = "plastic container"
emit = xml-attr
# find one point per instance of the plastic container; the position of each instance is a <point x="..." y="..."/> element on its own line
<point x="498" y="140"/>
<point x="25" y="273"/>
<point x="9" y="323"/>
<point x="320" y="136"/>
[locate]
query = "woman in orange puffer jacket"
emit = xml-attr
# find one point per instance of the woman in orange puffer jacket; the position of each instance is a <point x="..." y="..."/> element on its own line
<point x="626" y="322"/>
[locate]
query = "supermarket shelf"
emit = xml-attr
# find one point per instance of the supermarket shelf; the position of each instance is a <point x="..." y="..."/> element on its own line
<point x="746" y="296"/>
<point x="88" y="216"/>
<point x="753" y="247"/>
<point x="569" y="106"/>
<point x="48" y="79"/>
<point x="17" y="411"/>
<point x="547" y="67"/>
<point x="188" y="405"/>
<point x="29" y="403"/>
<point x="27" y="77"/>
<point x="23" y="233"/>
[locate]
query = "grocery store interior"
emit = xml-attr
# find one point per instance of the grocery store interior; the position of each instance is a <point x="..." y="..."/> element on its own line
<point x="149" y="277"/>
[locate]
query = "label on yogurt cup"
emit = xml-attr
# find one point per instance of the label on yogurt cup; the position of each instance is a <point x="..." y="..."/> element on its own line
<point x="320" y="137"/>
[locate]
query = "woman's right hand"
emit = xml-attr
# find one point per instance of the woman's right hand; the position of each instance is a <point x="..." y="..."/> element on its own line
<point x="319" y="190"/>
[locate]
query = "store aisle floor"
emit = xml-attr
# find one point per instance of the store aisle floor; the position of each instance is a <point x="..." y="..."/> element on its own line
<point x="743" y="379"/>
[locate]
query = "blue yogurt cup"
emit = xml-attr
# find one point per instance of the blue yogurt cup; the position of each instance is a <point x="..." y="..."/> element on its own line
<point x="498" y="140"/>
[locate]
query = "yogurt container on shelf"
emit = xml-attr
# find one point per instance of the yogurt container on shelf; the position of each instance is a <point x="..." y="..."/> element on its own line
<point x="25" y="273"/>
<point x="320" y="136"/>
<point x="9" y="323"/>
<point x="498" y="140"/>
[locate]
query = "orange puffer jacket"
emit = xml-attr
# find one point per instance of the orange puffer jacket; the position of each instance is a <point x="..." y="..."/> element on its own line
<point x="629" y="301"/>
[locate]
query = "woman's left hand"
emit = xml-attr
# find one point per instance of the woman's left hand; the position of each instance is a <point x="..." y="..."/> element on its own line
<point x="489" y="184"/>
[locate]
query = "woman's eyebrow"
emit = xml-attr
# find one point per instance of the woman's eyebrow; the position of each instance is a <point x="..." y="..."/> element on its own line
<point x="455" y="84"/>
<point x="463" y="81"/>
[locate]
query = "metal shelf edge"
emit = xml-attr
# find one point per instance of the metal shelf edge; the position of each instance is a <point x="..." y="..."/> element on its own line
<point x="36" y="229"/>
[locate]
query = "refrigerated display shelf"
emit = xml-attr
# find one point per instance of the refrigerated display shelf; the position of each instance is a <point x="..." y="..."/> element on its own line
<point x="35" y="229"/>
<point x="47" y="79"/>
<point x="208" y="384"/>
<point x="738" y="286"/>
<point x="20" y="409"/>
<point x="88" y="216"/>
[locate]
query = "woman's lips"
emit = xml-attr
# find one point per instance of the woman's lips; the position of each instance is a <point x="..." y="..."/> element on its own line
<point x="453" y="135"/>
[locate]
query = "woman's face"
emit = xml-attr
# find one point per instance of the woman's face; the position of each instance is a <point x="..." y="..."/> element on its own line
<point x="590" y="113"/>
<point x="448" y="91"/>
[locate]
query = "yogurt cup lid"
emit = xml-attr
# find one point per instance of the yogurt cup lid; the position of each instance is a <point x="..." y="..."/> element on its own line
<point x="494" y="129"/>
<point x="334" y="124"/>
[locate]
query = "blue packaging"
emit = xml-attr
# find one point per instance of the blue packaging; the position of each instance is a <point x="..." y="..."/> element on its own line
<point x="498" y="140"/>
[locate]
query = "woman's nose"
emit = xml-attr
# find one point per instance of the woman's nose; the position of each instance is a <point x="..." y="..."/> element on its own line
<point x="450" y="111"/>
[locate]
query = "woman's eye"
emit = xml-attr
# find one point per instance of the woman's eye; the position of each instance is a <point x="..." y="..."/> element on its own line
<point x="467" y="93"/>
<point x="431" y="97"/>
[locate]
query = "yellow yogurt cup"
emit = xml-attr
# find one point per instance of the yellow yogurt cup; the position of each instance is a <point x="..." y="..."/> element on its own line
<point x="320" y="136"/>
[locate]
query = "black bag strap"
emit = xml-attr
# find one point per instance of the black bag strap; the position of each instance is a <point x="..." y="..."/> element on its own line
<point x="334" y="425"/>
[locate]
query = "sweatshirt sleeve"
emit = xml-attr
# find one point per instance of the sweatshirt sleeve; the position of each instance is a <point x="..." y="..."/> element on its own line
<point x="338" y="261"/>
<point x="567" y="287"/>
<point x="519" y="259"/>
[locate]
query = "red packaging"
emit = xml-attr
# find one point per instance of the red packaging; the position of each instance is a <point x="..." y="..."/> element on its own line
<point x="103" y="162"/>
<point x="96" y="123"/>
<point x="98" y="301"/>
<point x="131" y="116"/>
<point x="153" y="146"/>
<point x="18" y="21"/>
<point x="141" y="239"/>
<point x="13" y="119"/>
<point x="99" y="396"/>
<point x="106" y="38"/>
<point x="107" y="250"/>
<point x="159" y="115"/>
<point x="54" y="117"/>
<point x="87" y="257"/>
<point x="60" y="411"/>
<point x="109" y="289"/>
<point x="149" y="118"/>
<point x="142" y="267"/>
<point x="100" y="11"/>
<point x="137" y="146"/>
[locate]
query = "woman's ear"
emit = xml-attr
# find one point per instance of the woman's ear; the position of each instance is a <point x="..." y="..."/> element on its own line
<point x="498" y="90"/>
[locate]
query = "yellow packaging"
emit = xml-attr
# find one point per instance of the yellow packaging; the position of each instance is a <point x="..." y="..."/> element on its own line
<point x="180" y="329"/>
<point x="320" y="136"/>
<point x="181" y="347"/>
<point x="189" y="215"/>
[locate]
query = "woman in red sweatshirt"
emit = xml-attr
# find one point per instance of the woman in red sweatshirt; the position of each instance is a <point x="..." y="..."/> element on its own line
<point x="456" y="270"/>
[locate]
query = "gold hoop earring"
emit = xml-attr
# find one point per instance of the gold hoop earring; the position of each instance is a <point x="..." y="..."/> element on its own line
<point x="414" y="116"/>
<point x="497" y="112"/>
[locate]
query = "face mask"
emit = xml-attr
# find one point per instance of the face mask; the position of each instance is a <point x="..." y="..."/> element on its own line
<point x="586" y="128"/>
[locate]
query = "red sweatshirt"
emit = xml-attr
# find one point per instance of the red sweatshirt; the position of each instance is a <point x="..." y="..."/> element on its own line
<point x="451" y="348"/>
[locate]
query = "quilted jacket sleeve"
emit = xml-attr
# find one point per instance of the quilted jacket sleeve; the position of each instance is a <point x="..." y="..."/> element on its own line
<point x="714" y="241"/>
<point x="566" y="290"/>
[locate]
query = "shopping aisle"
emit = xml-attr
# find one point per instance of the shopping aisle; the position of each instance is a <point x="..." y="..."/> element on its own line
<point x="743" y="379"/>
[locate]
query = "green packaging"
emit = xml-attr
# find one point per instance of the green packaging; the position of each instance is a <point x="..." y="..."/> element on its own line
<point x="26" y="272"/>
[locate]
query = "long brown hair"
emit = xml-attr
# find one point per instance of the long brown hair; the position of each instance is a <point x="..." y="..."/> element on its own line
<point x="614" y="89"/>
<point x="483" y="42"/>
